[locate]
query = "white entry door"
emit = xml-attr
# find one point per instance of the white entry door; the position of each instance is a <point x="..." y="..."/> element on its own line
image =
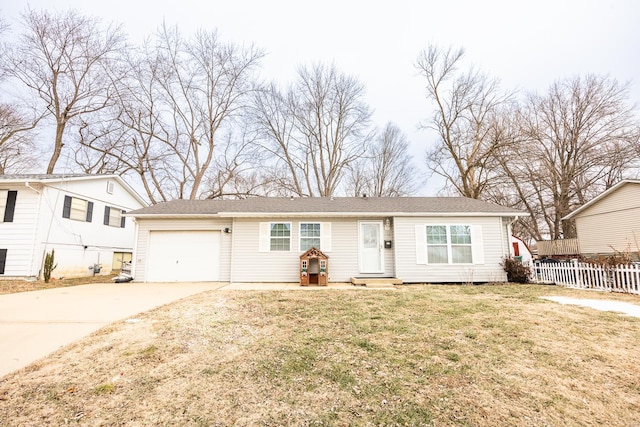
<point x="371" y="247"/>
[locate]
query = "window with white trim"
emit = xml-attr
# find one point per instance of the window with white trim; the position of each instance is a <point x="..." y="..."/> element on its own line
<point x="310" y="236"/>
<point x="77" y="209"/>
<point x="280" y="236"/>
<point x="449" y="244"/>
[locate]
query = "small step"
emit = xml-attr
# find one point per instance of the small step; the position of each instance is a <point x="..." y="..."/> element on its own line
<point x="376" y="282"/>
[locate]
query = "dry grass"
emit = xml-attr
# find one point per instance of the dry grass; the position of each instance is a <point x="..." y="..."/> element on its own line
<point x="19" y="285"/>
<point x="422" y="355"/>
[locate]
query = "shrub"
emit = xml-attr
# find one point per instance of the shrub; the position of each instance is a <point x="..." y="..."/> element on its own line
<point x="516" y="272"/>
<point x="49" y="265"/>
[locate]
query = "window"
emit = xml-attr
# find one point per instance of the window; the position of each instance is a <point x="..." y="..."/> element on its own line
<point x="309" y="236"/>
<point x="280" y="236"/>
<point x="77" y="209"/>
<point x="7" y="205"/>
<point x="449" y="244"/>
<point x="3" y="260"/>
<point x="113" y="217"/>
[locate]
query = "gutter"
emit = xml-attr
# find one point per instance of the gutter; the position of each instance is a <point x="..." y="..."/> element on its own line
<point x="328" y="214"/>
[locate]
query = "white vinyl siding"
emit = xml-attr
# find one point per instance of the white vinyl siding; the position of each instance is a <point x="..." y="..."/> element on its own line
<point x="611" y="223"/>
<point x="19" y="237"/>
<point x="339" y="240"/>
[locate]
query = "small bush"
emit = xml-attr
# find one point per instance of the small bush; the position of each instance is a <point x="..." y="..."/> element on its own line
<point x="516" y="272"/>
<point x="49" y="265"/>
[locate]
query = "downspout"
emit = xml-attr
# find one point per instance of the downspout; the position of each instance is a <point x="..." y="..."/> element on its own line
<point x="32" y="264"/>
<point x="232" y="260"/>
<point x="134" y="255"/>
<point x="509" y="234"/>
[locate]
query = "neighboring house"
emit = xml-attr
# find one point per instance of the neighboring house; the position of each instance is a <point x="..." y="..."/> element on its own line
<point x="521" y="250"/>
<point x="78" y="216"/>
<point x="610" y="223"/>
<point x="428" y="239"/>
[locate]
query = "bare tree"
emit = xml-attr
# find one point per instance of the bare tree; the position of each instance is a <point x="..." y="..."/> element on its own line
<point x="314" y="131"/>
<point x="465" y="108"/>
<point x="17" y="148"/>
<point x="172" y="109"/>
<point x="574" y="142"/>
<point x="64" y="59"/>
<point x="386" y="170"/>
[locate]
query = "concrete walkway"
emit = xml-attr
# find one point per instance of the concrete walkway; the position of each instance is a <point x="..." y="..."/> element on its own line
<point x="34" y="324"/>
<point x="602" y="305"/>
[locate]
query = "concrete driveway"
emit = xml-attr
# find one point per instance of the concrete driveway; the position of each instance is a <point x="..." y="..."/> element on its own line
<point x="34" y="324"/>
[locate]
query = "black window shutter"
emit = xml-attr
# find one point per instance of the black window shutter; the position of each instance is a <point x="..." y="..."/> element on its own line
<point x="89" y="211"/>
<point x="122" y="220"/>
<point x="66" y="209"/>
<point x="11" y="206"/>
<point x="3" y="260"/>
<point x="107" y="211"/>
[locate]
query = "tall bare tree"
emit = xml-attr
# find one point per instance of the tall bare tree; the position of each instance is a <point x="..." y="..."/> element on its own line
<point x="574" y="141"/>
<point x="17" y="148"/>
<point x="172" y="111"/>
<point x="65" y="59"/>
<point x="314" y="130"/>
<point x="386" y="170"/>
<point x="466" y="104"/>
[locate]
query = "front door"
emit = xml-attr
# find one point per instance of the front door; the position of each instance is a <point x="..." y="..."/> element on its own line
<point x="371" y="247"/>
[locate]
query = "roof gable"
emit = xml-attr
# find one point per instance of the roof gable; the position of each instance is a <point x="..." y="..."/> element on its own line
<point x="56" y="178"/>
<point x="602" y="196"/>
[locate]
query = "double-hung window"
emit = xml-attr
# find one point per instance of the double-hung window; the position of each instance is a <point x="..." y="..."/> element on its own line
<point x="77" y="209"/>
<point x="113" y="217"/>
<point x="449" y="244"/>
<point x="280" y="236"/>
<point x="309" y="236"/>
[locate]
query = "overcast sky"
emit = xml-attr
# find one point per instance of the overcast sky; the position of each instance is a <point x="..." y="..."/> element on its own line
<point x="526" y="44"/>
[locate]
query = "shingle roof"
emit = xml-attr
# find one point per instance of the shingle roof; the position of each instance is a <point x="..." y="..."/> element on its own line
<point x="341" y="206"/>
<point x="43" y="176"/>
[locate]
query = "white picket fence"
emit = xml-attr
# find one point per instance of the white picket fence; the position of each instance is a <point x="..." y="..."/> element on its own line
<point x="574" y="274"/>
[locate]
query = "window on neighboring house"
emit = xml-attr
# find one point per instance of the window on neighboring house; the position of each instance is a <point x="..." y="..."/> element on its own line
<point x="3" y="260"/>
<point x="77" y="209"/>
<point x="7" y="205"/>
<point x="113" y="217"/>
<point x="449" y="244"/>
<point x="280" y="236"/>
<point x="309" y="236"/>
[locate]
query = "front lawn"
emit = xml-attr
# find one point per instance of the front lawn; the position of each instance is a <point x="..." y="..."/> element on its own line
<point x="421" y="355"/>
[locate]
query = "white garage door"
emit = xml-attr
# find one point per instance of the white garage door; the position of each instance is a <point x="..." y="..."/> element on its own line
<point x="190" y="256"/>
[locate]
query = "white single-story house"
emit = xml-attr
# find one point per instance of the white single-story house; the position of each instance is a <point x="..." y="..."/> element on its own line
<point x="609" y="224"/>
<point x="80" y="217"/>
<point x="260" y="239"/>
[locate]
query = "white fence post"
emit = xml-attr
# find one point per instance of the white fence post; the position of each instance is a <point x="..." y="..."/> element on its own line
<point x="576" y="272"/>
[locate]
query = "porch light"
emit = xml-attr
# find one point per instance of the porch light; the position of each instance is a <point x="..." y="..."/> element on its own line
<point x="387" y="224"/>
